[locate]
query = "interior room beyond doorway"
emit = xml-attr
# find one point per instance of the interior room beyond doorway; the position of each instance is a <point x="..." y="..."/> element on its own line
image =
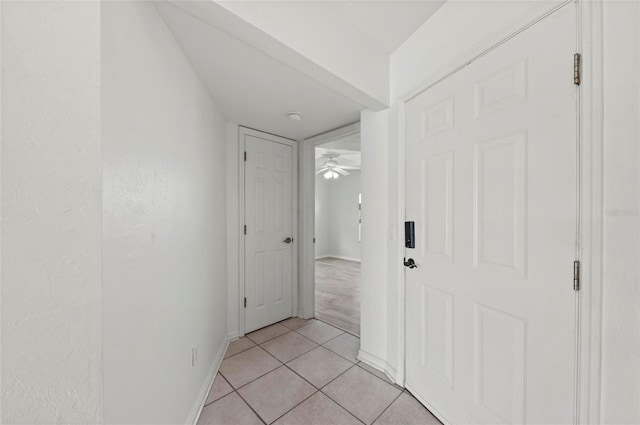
<point x="338" y="233"/>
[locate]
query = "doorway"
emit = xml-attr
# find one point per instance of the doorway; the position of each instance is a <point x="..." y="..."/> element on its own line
<point x="338" y="232"/>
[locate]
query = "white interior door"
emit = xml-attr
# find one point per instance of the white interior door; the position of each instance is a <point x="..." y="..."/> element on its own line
<point x="491" y="185"/>
<point x="269" y="233"/>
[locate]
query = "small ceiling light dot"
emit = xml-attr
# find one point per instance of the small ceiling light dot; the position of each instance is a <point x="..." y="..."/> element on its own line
<point x="295" y="116"/>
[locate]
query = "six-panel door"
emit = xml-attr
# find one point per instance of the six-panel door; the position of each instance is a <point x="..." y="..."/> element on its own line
<point x="269" y="213"/>
<point x="491" y="185"/>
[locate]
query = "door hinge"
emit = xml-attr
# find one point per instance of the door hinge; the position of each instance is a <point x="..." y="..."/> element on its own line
<point x="576" y="275"/>
<point x="245" y="302"/>
<point x="245" y="229"/>
<point x="576" y="69"/>
<point x="245" y="156"/>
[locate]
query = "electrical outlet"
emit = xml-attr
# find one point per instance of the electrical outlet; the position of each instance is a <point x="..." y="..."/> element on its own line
<point x="194" y="356"/>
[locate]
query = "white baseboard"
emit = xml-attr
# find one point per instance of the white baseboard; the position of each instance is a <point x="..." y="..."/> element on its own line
<point x="339" y="257"/>
<point x="234" y="335"/>
<point x="377" y="363"/>
<point x="196" y="410"/>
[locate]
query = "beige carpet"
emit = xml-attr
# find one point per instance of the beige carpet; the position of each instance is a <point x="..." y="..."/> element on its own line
<point x="338" y="293"/>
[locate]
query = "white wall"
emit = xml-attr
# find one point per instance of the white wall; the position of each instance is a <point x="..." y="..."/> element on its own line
<point x="337" y="216"/>
<point x="621" y="268"/>
<point x="51" y="213"/>
<point x="164" y="246"/>
<point x="374" y="279"/>
<point x="323" y="218"/>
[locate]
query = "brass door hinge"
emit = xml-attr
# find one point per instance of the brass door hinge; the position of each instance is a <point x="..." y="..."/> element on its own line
<point x="245" y="156"/>
<point x="576" y="275"/>
<point x="576" y="69"/>
<point x="245" y="229"/>
<point x="245" y="302"/>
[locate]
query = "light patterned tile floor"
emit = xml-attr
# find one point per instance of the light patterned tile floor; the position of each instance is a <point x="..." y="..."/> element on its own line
<point x="279" y="375"/>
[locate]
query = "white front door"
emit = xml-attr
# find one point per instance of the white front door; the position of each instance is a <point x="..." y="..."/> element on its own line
<point x="491" y="185"/>
<point x="269" y="233"/>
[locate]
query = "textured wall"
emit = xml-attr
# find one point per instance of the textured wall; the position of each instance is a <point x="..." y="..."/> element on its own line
<point x="51" y="213"/>
<point x="164" y="245"/>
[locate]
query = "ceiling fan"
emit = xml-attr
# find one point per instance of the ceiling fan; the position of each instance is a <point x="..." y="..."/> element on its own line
<point x="331" y="168"/>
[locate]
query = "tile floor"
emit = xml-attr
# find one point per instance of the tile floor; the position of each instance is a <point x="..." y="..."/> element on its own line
<point x="305" y="372"/>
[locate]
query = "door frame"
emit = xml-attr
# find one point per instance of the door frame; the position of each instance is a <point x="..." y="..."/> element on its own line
<point x="308" y="214"/>
<point x="589" y="249"/>
<point x="242" y="132"/>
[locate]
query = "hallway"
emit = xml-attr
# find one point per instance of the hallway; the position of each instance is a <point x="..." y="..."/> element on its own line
<point x="305" y="372"/>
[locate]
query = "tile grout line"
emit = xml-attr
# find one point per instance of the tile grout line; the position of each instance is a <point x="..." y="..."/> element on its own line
<point x="320" y="389"/>
<point x="255" y="379"/>
<point x="355" y="365"/>
<point x="214" y="380"/>
<point x="336" y="402"/>
<point x="296" y="373"/>
<point x="251" y="407"/>
<point x="243" y="400"/>
<point x="387" y="408"/>
<point x="278" y="360"/>
<point x="285" y="413"/>
<point x="329" y="397"/>
<point x="317" y="389"/>
<point x="310" y="340"/>
<point x="287" y="366"/>
<point x="267" y="340"/>
<point x="240" y="352"/>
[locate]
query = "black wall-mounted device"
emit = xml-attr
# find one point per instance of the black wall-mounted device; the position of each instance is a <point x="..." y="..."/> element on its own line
<point x="409" y="234"/>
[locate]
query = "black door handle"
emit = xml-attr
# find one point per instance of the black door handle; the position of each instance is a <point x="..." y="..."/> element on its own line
<point x="410" y="263"/>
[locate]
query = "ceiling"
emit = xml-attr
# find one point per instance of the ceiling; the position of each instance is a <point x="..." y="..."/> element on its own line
<point x="345" y="150"/>
<point x="255" y="85"/>
<point x="384" y="24"/>
<point x="253" y="89"/>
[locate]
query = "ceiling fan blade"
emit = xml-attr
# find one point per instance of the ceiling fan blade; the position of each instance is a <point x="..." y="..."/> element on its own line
<point x="341" y="171"/>
<point x="322" y="170"/>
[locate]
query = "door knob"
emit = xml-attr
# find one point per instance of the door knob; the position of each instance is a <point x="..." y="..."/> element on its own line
<point x="410" y="263"/>
<point x="288" y="240"/>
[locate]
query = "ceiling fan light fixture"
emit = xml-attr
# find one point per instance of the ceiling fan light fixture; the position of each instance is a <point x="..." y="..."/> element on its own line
<point x="331" y="175"/>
